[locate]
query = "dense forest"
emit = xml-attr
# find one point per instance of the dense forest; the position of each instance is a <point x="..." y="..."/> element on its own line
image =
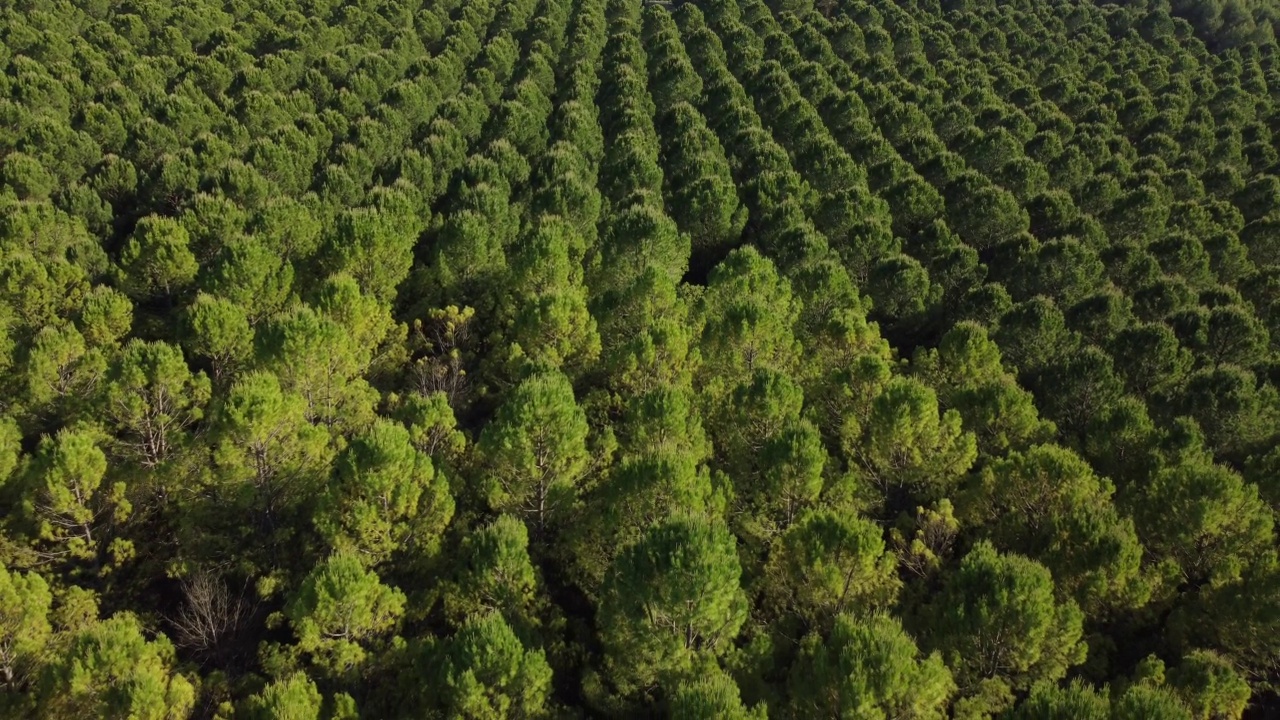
<point x="868" y="359"/>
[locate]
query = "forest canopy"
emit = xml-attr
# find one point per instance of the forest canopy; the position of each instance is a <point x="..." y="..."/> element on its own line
<point x="874" y="359"/>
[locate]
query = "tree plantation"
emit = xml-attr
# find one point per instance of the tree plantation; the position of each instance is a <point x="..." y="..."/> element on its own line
<point x="865" y="359"/>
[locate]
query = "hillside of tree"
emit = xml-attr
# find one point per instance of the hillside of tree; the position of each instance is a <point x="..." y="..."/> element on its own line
<point x="866" y="359"/>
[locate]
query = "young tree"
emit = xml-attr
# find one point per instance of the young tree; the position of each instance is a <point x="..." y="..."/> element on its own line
<point x="377" y="339"/>
<point x="1046" y="502"/>
<point x="339" y="610"/>
<point x="827" y="564"/>
<point x="1150" y="358"/>
<point x="1234" y="411"/>
<point x="467" y="257"/>
<point x="671" y="601"/>
<point x="1145" y="701"/>
<point x="997" y="619"/>
<point x="1032" y="334"/>
<point x="25" y="631"/>
<point x="110" y="669"/>
<point x="900" y="288"/>
<point x="71" y="504"/>
<point x="485" y="671"/>
<point x="966" y="369"/>
<point x="1076" y="388"/>
<point x="151" y="397"/>
<point x="157" y="259"/>
<point x="868" y="667"/>
<point x="713" y="696"/>
<point x="793" y="463"/>
<point x="535" y="452"/>
<point x="219" y="330"/>
<point x="385" y="497"/>
<point x="908" y="442"/>
<point x="294" y="697"/>
<point x="751" y="430"/>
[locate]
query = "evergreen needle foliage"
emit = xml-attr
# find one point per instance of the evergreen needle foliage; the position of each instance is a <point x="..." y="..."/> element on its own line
<point x="866" y="359"/>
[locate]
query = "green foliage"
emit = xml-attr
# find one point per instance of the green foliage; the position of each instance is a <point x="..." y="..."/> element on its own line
<point x="339" y="609"/>
<point x="660" y="471"/>
<point x="317" y="358"/>
<point x="71" y="504"/>
<point x="1209" y="686"/>
<point x="487" y="672"/>
<point x="536" y="452"/>
<point x="1141" y="701"/>
<point x="374" y="246"/>
<point x="1053" y="702"/>
<point x="994" y="596"/>
<point x="828" y="564"/>
<point x="1047" y="503"/>
<point x="250" y="274"/>
<point x="219" y="331"/>
<point x="868" y="668"/>
<point x="967" y="372"/>
<point x="385" y="496"/>
<point x="671" y="601"/>
<point x="495" y="574"/>
<point x="747" y="315"/>
<point x="292" y="698"/>
<point x="1204" y="518"/>
<point x="268" y="459"/>
<point x="157" y="260"/>
<point x="110" y="669"/>
<point x="908" y="441"/>
<point x="24" y="626"/>
<point x="701" y="192"/>
<point x="712" y="696"/>
<point x="391" y="356"/>
<point x="150" y="397"/>
<point x="547" y="321"/>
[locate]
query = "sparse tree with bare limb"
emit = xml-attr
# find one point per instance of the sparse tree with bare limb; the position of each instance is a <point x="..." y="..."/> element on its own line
<point x="211" y="614"/>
